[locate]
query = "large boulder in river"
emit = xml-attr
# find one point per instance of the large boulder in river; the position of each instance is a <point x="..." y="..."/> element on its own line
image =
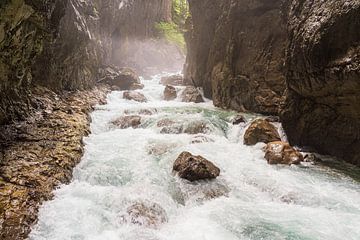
<point x="169" y="93"/>
<point x="123" y="122"/>
<point x="261" y="130"/>
<point x="282" y="153"/>
<point x="175" y="80"/>
<point x="195" y="168"/>
<point x="146" y="214"/>
<point x="191" y="94"/>
<point x="136" y="96"/>
<point x="124" y="78"/>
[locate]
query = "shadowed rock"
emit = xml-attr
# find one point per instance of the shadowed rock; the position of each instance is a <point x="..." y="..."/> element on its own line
<point x="261" y="130"/>
<point x="195" y="168"/>
<point x="124" y="78"/>
<point x="123" y="122"/>
<point x="282" y="153"/>
<point x="136" y="96"/>
<point x="170" y="93"/>
<point x="191" y="94"/>
<point x="238" y="119"/>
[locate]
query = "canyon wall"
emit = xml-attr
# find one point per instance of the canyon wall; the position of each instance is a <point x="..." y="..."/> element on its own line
<point x="63" y="44"/>
<point x="296" y="59"/>
<point x="236" y="53"/>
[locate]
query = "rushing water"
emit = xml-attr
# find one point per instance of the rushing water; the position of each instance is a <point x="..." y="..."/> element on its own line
<point x="259" y="202"/>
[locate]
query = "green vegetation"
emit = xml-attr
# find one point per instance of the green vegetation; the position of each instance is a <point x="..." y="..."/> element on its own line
<point x="174" y="31"/>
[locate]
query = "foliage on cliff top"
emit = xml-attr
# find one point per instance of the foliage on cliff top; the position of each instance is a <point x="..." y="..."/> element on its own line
<point x="174" y="31"/>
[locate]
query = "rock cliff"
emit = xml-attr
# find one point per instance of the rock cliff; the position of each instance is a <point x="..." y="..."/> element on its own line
<point x="236" y="52"/>
<point x="322" y="107"/>
<point x="298" y="59"/>
<point x="63" y="44"/>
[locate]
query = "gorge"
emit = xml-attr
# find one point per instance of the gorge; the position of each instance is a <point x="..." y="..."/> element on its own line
<point x="255" y="137"/>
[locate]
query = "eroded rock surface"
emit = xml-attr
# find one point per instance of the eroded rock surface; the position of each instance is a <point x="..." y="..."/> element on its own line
<point x="261" y="130"/>
<point x="38" y="154"/>
<point x="170" y="93"/>
<point x="195" y="168"/>
<point x="191" y="94"/>
<point x="282" y="153"/>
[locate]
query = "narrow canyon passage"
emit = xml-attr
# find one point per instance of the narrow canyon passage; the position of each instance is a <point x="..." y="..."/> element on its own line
<point x="249" y="200"/>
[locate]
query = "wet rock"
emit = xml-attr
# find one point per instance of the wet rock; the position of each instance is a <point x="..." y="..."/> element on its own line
<point x="159" y="149"/>
<point x="282" y="153"/>
<point x="146" y="214"/>
<point x="141" y="112"/>
<point x="197" y="127"/>
<point x="312" y="158"/>
<point x="169" y="93"/>
<point x="174" y="80"/>
<point x="272" y="118"/>
<point x="191" y="94"/>
<point x="201" y="139"/>
<point x="175" y="129"/>
<point x="123" y="79"/>
<point x="136" y="86"/>
<point x="123" y="122"/>
<point x="136" y="96"/>
<point x="166" y="122"/>
<point x="261" y="130"/>
<point x="238" y="119"/>
<point x="195" y="168"/>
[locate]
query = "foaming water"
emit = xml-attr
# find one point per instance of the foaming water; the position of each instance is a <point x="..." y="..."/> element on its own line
<point x="123" y="166"/>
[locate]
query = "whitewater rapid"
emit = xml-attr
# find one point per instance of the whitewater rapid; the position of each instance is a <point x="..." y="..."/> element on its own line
<point x="262" y="202"/>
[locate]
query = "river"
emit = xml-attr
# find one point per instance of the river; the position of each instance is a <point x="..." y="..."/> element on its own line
<point x="256" y="201"/>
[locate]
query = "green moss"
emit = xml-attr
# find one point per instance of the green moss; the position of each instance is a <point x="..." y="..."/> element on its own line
<point x="172" y="33"/>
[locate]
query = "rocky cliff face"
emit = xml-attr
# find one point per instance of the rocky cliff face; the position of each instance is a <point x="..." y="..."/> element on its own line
<point x="245" y="53"/>
<point x="323" y="77"/>
<point x="236" y="52"/>
<point x="63" y="44"/>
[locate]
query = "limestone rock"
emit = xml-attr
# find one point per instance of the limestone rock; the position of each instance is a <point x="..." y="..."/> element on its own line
<point x="169" y="93"/>
<point x="191" y="94"/>
<point x="196" y="127"/>
<point x="123" y="122"/>
<point x="195" y="168"/>
<point x="282" y="153"/>
<point x="261" y="130"/>
<point x="136" y="96"/>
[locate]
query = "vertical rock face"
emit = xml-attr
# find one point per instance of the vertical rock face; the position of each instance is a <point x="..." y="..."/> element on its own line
<point x="236" y="52"/>
<point x="62" y="44"/>
<point x="323" y="76"/>
<point x="245" y="53"/>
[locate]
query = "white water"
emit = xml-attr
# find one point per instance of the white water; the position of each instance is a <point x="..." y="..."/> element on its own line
<point x="264" y="202"/>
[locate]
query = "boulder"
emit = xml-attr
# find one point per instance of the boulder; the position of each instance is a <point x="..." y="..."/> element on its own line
<point x="169" y="93"/>
<point x="174" y="129"/>
<point x="136" y="96"/>
<point x="191" y="94"/>
<point x="261" y="130"/>
<point x="123" y="79"/>
<point x="201" y="139"/>
<point x="146" y="214"/>
<point x="195" y="168"/>
<point x="238" y="119"/>
<point x="123" y="122"/>
<point x="136" y="86"/>
<point x="175" y="80"/>
<point x="197" y="127"/>
<point x="282" y="153"/>
<point x="166" y="122"/>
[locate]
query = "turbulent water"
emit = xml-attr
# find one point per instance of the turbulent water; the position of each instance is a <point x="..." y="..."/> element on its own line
<point x="256" y="201"/>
